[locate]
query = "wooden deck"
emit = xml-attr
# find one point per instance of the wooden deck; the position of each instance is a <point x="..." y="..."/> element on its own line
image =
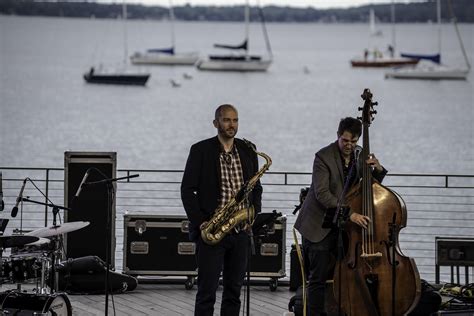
<point x="174" y="300"/>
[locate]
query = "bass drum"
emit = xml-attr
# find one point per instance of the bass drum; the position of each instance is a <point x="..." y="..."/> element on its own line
<point x="17" y="303"/>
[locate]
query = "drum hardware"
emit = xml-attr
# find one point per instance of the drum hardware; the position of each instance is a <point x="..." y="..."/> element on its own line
<point x="29" y="263"/>
<point x="54" y="230"/>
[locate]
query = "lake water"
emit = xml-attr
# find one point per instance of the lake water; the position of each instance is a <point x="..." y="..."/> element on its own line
<point x="46" y="108"/>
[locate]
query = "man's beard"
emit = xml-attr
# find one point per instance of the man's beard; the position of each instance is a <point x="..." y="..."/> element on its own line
<point x="229" y="133"/>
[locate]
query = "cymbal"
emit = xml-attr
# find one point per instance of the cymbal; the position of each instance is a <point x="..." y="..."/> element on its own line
<point x="58" y="230"/>
<point x="16" y="241"/>
<point x="39" y="242"/>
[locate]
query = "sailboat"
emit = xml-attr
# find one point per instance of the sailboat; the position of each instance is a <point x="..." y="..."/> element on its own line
<point x="122" y="76"/>
<point x="434" y="69"/>
<point x="165" y="56"/>
<point x="241" y="61"/>
<point x="377" y="59"/>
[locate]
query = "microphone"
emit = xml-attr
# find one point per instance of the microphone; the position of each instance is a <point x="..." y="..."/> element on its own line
<point x="18" y="199"/>
<point x="357" y="152"/>
<point x="84" y="179"/>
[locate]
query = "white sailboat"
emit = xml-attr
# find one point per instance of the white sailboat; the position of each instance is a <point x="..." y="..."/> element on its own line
<point x="241" y="61"/>
<point x="376" y="58"/>
<point x="122" y="76"/>
<point x="165" y="56"/>
<point x="434" y="69"/>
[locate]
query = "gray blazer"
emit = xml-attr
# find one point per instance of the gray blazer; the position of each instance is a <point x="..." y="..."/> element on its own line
<point x="326" y="187"/>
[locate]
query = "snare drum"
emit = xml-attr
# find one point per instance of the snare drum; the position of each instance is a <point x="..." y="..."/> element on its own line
<point x="17" y="303"/>
<point x="22" y="267"/>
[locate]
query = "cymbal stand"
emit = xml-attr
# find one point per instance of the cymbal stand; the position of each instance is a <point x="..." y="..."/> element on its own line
<point x="45" y="266"/>
<point x="56" y="253"/>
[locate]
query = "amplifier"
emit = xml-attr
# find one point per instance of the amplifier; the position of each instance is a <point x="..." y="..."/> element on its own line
<point x="91" y="205"/>
<point x="452" y="251"/>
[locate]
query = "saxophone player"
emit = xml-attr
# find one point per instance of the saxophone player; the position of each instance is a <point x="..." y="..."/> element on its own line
<point x="215" y="171"/>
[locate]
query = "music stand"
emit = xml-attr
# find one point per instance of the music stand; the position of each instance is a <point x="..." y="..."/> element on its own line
<point x="264" y="223"/>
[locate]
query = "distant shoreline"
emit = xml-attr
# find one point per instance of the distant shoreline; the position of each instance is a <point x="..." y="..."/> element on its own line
<point x="405" y="13"/>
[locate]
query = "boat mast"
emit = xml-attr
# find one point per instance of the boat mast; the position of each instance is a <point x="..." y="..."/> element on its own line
<point x="265" y="33"/>
<point x="459" y="35"/>
<point x="392" y="13"/>
<point x="172" y="24"/>
<point x="247" y="20"/>
<point x="438" y="14"/>
<point x="125" y="40"/>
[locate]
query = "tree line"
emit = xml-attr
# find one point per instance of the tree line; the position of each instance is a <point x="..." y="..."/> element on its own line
<point x="419" y="12"/>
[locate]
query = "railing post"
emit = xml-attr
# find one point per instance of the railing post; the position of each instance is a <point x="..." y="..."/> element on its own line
<point x="46" y="199"/>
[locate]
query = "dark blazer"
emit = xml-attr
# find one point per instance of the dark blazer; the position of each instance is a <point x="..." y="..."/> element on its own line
<point x="326" y="187"/>
<point x="201" y="184"/>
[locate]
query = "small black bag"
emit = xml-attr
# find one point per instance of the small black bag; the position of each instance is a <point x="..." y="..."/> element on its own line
<point x="296" y="302"/>
<point x="429" y="303"/>
<point x="86" y="275"/>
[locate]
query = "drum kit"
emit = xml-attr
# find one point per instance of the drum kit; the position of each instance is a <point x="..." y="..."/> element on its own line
<point x="35" y="258"/>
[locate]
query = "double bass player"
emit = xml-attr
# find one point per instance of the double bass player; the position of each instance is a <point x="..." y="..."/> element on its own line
<point x="331" y="168"/>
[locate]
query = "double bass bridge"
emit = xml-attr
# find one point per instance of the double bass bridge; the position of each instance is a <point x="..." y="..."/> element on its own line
<point x="371" y="255"/>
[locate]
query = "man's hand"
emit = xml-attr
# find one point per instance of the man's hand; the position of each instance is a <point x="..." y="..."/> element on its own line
<point x="360" y="220"/>
<point x="374" y="162"/>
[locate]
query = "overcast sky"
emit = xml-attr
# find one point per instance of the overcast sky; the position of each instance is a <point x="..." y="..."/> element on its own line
<point x="294" y="3"/>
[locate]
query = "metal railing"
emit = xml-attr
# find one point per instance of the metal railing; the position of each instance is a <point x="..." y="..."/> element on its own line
<point x="438" y="205"/>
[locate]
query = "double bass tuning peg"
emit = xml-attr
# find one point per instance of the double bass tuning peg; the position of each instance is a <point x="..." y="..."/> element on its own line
<point x="373" y="112"/>
<point x="375" y="103"/>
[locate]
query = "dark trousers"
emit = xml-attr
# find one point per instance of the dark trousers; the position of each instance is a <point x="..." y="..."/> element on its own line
<point x="318" y="256"/>
<point x="230" y="257"/>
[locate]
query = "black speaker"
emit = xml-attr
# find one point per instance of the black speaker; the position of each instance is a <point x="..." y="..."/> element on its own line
<point x="91" y="205"/>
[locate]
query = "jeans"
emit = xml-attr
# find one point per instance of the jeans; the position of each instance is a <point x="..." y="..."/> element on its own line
<point x="229" y="257"/>
<point x="318" y="256"/>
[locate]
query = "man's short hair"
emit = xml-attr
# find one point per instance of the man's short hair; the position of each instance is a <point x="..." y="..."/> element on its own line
<point x="221" y="108"/>
<point x="350" y="124"/>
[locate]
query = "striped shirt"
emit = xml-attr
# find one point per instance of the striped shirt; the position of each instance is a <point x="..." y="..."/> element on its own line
<point x="232" y="177"/>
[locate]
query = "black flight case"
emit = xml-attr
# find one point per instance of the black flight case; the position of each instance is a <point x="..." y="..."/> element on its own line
<point x="158" y="245"/>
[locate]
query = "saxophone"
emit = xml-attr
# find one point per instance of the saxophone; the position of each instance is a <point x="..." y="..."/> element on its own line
<point x="231" y="214"/>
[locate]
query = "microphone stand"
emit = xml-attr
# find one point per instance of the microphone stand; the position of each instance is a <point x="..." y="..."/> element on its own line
<point x="250" y="252"/>
<point x="393" y="227"/>
<point x="244" y="193"/>
<point x="55" y="257"/>
<point x="108" y="231"/>
<point x="339" y="221"/>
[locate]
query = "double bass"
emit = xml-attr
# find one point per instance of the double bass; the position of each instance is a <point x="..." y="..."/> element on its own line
<point x="374" y="278"/>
